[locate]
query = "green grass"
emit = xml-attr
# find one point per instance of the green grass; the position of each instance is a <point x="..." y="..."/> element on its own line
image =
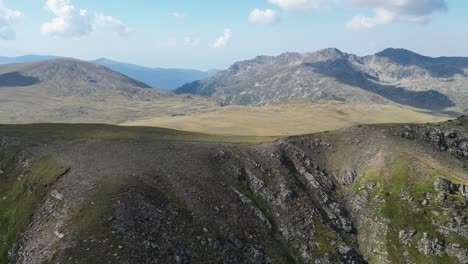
<point x="95" y="241"/>
<point x="20" y="194"/>
<point x="111" y="132"/>
<point x="405" y="177"/>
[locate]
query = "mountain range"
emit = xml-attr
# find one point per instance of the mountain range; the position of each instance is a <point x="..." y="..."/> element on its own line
<point x="393" y="76"/>
<point x="167" y="79"/>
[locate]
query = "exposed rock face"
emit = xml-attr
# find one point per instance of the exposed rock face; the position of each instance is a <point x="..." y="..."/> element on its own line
<point x="359" y="195"/>
<point x="393" y="75"/>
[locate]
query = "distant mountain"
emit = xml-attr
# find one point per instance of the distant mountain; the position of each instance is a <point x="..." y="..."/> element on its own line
<point x="69" y="90"/>
<point x="25" y="59"/>
<point x="167" y="79"/>
<point x="391" y="76"/>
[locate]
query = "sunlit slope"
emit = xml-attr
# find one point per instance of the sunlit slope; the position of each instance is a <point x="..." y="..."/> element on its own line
<point x="287" y="119"/>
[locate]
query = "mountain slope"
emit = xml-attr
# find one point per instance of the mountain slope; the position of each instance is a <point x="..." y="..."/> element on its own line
<point x="167" y="79"/>
<point x="391" y="76"/>
<point x="68" y="90"/>
<point x="100" y="194"/>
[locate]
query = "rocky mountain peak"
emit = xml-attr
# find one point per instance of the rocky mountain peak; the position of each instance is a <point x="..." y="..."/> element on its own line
<point x="330" y="53"/>
<point x="402" y="56"/>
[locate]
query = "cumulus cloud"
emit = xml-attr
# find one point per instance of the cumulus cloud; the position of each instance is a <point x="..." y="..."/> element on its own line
<point x="118" y="26"/>
<point x="222" y="40"/>
<point x="72" y="22"/>
<point x="7" y="18"/>
<point x="388" y="11"/>
<point x="68" y="21"/>
<point x="296" y="6"/>
<point x="258" y="16"/>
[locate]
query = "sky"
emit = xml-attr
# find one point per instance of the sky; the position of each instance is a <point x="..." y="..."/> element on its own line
<point x="213" y="34"/>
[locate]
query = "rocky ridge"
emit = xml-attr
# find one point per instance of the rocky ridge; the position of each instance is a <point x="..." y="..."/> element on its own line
<point x="391" y="76"/>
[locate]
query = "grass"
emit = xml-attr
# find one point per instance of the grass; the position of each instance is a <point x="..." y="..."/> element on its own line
<point x="416" y="179"/>
<point x="20" y="194"/>
<point x="287" y="119"/>
<point x="95" y="241"/>
<point x="111" y="132"/>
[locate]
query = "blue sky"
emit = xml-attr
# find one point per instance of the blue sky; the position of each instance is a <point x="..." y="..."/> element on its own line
<point x="207" y="34"/>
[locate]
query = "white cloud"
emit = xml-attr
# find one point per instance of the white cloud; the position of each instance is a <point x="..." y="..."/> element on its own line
<point x="68" y="20"/>
<point x="381" y="16"/>
<point x="177" y="14"/>
<point x="388" y="11"/>
<point x="72" y="22"/>
<point x="222" y="40"/>
<point x="296" y="6"/>
<point x="118" y="26"/>
<point x="191" y="41"/>
<point x="7" y="18"/>
<point x="258" y="16"/>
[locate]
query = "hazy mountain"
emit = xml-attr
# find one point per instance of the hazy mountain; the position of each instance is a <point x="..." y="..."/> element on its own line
<point x="69" y="90"/>
<point x="167" y="79"/>
<point x="105" y="194"/>
<point x="393" y="75"/>
<point x="25" y="58"/>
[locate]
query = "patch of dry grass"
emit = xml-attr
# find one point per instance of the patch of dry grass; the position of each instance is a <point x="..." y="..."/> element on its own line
<point x="287" y="119"/>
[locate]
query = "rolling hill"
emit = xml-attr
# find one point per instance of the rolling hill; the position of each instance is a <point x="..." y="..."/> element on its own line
<point x="68" y="90"/>
<point x="105" y="194"/>
<point x="393" y="76"/>
<point x="162" y="78"/>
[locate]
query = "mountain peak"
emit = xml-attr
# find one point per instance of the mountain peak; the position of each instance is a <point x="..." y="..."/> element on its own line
<point x="330" y="52"/>
<point x="398" y="53"/>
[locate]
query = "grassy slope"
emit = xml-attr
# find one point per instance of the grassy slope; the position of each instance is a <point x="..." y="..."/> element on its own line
<point x="98" y="131"/>
<point x="22" y="105"/>
<point x="287" y="119"/>
<point x="415" y="178"/>
<point x="21" y="192"/>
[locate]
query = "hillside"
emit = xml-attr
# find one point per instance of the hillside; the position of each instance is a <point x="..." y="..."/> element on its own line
<point x="68" y="90"/>
<point x="393" y="76"/>
<point x="104" y="194"/>
<point x="162" y="78"/>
